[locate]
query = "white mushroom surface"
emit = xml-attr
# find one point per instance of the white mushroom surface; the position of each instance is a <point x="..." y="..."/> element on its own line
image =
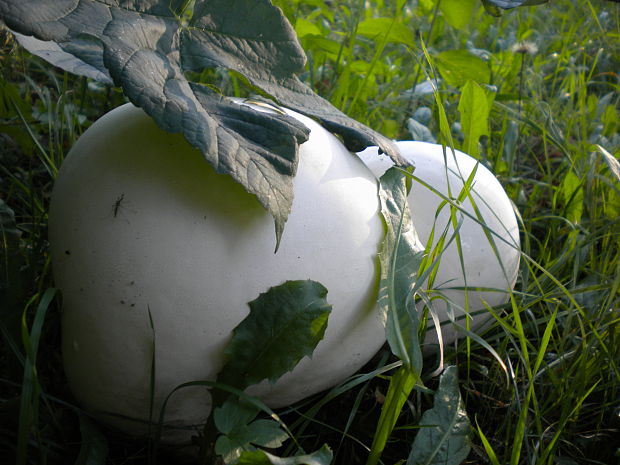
<point x="140" y="222"/>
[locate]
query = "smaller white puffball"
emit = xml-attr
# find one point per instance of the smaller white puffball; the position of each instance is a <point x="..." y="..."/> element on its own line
<point x="488" y="234"/>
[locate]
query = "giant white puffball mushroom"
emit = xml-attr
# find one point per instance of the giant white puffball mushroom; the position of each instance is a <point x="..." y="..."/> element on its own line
<point x="140" y="222"/>
<point x="489" y="265"/>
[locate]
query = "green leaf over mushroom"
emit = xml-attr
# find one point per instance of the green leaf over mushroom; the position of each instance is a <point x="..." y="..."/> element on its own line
<point x="148" y="47"/>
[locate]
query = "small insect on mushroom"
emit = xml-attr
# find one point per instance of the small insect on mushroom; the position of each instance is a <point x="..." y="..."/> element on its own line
<point x="117" y="204"/>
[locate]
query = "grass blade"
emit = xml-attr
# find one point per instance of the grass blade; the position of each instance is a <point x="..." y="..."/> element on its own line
<point x="28" y="413"/>
<point x="401" y="385"/>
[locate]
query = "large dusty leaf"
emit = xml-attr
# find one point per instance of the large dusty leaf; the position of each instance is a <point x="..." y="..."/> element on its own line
<point x="284" y="325"/>
<point x="53" y="53"/>
<point x="148" y="46"/>
<point x="444" y="434"/>
<point x="400" y="257"/>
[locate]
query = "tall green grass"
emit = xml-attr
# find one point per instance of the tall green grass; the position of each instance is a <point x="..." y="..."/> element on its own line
<point x="553" y="139"/>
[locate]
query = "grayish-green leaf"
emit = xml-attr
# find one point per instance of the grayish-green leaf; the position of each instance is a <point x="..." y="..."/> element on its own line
<point x="420" y="132"/>
<point x="284" y="325"/>
<point x="233" y="414"/>
<point x="508" y="4"/>
<point x="52" y="53"/>
<point x="400" y="257"/>
<point x="445" y="429"/>
<point x="148" y="46"/>
<point x="322" y="456"/>
<point x="266" y="433"/>
<point x="230" y="447"/>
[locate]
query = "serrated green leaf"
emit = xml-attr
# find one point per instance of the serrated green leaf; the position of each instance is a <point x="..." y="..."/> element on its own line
<point x="322" y="456"/>
<point x="148" y="46"/>
<point x="400" y="257"/>
<point x="230" y="447"/>
<point x="459" y="66"/>
<point x="239" y="433"/>
<point x="445" y="429"/>
<point x="475" y="107"/>
<point x="284" y="325"/>
<point x="266" y="433"/>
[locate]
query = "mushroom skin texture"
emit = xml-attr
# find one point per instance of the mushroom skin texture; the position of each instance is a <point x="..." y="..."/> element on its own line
<point x="140" y="223"/>
<point x="483" y="267"/>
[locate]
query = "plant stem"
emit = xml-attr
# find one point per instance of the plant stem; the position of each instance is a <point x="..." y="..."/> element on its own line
<point x="521" y="81"/>
<point x="401" y="385"/>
